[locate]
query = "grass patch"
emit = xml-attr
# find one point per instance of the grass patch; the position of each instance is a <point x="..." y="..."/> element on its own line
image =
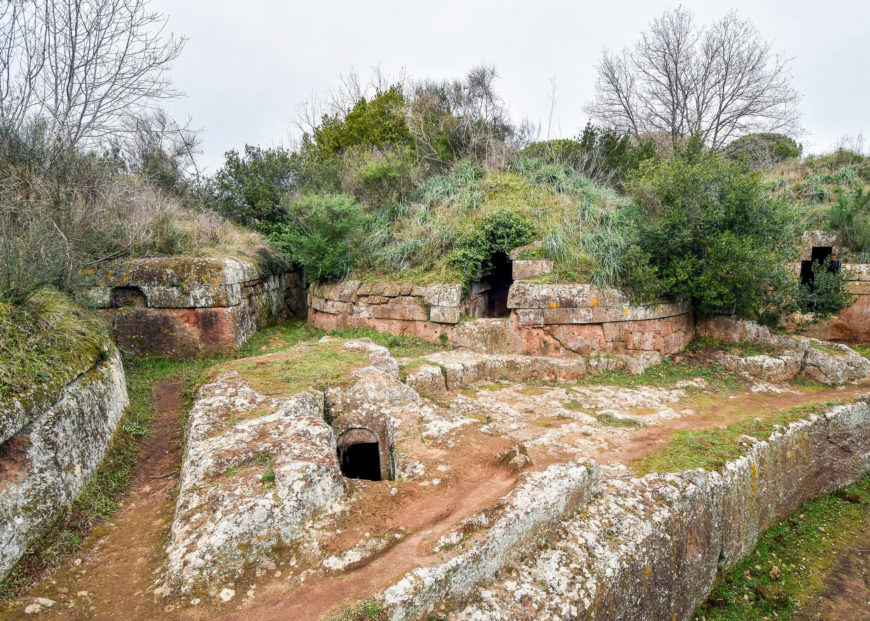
<point x="110" y="484"/>
<point x="833" y="351"/>
<point x="864" y="350"/>
<point x="667" y="374"/>
<point x="318" y="365"/>
<point x="45" y="342"/>
<point x="368" y="610"/>
<point x="493" y="387"/>
<point x="803" y="548"/>
<point x="700" y="343"/>
<point x="710" y="449"/>
<point x="292" y="333"/>
<point x="609" y="420"/>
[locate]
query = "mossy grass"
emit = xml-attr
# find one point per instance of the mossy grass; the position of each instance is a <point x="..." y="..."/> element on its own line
<point x="711" y="449"/>
<point x="803" y="548"/>
<point x="609" y="420"/>
<point x="110" y="484"/>
<point x="700" y="343"/>
<point x="291" y="333"/>
<point x="45" y="342"/>
<point x="366" y="610"/>
<point x="667" y="374"/>
<point x="314" y="365"/>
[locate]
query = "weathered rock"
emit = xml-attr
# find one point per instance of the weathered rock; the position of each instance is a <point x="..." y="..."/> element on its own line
<point x="226" y="517"/>
<point x="490" y="336"/>
<point x="45" y="465"/>
<point x="524" y="270"/>
<point x="427" y="380"/>
<point x="776" y="369"/>
<point x="828" y="363"/>
<point x="185" y="306"/>
<point x="539" y="502"/>
<point x="651" y="547"/>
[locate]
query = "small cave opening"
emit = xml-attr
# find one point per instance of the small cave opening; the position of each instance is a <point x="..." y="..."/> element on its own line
<point x="490" y="293"/>
<point x="359" y="455"/>
<point x="819" y="254"/>
<point x="128" y="296"/>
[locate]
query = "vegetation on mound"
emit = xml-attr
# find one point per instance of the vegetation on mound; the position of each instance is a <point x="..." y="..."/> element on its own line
<point x="102" y="495"/>
<point x="45" y="342"/>
<point x="367" y="610"/>
<point x="802" y="548"/>
<point x="711" y="449"/>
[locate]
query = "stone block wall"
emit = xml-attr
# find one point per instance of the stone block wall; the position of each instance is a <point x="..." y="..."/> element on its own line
<point x="582" y="319"/>
<point x="426" y="312"/>
<point x="185" y="306"/>
<point x="550" y="320"/>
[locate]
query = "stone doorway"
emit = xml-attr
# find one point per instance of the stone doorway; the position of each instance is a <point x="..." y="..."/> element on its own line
<point x="359" y="455"/>
<point x="489" y="294"/>
<point x="819" y="254"/>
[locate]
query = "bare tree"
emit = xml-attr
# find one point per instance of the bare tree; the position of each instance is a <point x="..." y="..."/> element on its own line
<point x="719" y="82"/>
<point x="83" y="67"/>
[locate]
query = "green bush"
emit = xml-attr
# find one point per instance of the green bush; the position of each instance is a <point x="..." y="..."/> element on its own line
<point x="712" y="233"/>
<point x="851" y="216"/>
<point x="827" y="295"/>
<point x="379" y="122"/>
<point x="380" y="178"/>
<point x="249" y="188"/>
<point x="496" y="234"/>
<point x="763" y="150"/>
<point x="323" y="233"/>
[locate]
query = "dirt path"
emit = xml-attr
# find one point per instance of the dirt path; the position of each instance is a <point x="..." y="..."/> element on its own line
<point x="846" y="590"/>
<point x="121" y="559"/>
<point x="112" y="576"/>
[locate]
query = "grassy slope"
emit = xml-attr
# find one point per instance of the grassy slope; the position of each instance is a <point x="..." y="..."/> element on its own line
<point x="44" y="344"/>
<point x="569" y="213"/>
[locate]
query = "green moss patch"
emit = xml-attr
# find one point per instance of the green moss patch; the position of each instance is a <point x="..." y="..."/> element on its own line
<point x="609" y="420"/>
<point x="667" y="374"/>
<point x="710" y="449"/>
<point x="802" y="548"/>
<point x="45" y="343"/>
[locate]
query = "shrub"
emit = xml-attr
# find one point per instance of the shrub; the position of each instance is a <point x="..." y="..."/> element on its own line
<point x="249" y="188"/>
<point x="712" y="233"/>
<point x="379" y="122"/>
<point x="827" y="295"/>
<point x="763" y="150"/>
<point x="497" y="234"/>
<point x="851" y="216"/>
<point x="323" y="233"/>
<point x="380" y="178"/>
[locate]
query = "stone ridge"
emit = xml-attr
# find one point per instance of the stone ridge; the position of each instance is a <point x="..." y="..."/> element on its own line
<point x="651" y="547"/>
<point x="538" y="503"/>
<point x="825" y="362"/>
<point x="227" y="517"/>
<point x="50" y="461"/>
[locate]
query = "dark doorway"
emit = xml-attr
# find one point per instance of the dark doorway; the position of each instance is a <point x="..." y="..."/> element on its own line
<point x="128" y="296"/>
<point x="359" y="455"/>
<point x="819" y="254"/>
<point x="489" y="295"/>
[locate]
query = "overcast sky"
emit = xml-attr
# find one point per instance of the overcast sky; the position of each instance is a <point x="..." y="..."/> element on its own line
<point x="249" y="65"/>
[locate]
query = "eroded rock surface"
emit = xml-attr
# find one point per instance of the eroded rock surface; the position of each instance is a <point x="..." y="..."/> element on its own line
<point x="48" y="461"/>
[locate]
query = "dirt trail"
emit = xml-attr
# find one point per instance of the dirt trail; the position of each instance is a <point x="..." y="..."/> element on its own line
<point x="118" y="559"/>
<point x="433" y="516"/>
<point x="121" y="559"/>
